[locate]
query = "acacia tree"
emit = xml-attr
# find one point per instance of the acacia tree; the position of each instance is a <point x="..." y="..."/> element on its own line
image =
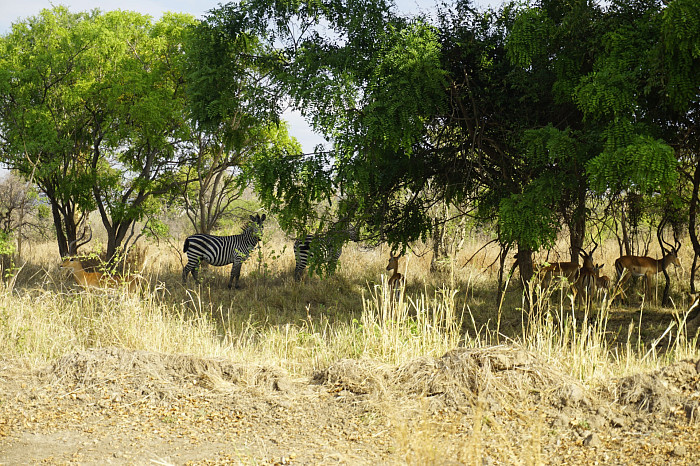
<point x="93" y="109"/>
<point x="43" y="122"/>
<point x="235" y="113"/>
<point x="680" y="28"/>
<point x="644" y="88"/>
<point x="141" y="132"/>
<point x="372" y="89"/>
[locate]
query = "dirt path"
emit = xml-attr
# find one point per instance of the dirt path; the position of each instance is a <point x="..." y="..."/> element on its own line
<point x="500" y="405"/>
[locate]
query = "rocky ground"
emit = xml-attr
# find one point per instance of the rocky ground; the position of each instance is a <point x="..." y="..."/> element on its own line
<point x="496" y="405"/>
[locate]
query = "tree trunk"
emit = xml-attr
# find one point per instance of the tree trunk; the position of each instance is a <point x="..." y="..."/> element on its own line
<point x="625" y="232"/>
<point x="438" y="241"/>
<point x="66" y="227"/>
<point x="577" y="225"/>
<point x="692" y="223"/>
<point x="692" y="272"/>
<point x="577" y="231"/>
<point x="502" y="260"/>
<point x="526" y="272"/>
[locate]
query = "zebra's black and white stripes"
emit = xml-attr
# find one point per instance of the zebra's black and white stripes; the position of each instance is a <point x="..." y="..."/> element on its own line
<point x="222" y="250"/>
<point x="323" y="251"/>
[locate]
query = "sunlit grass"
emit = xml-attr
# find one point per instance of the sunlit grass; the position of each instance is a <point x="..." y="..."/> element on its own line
<point x="305" y="326"/>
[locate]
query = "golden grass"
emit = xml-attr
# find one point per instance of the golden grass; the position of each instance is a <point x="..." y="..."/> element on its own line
<point x="305" y="326"/>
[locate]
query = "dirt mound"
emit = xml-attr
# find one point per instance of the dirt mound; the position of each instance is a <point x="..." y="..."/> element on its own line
<point x="674" y="387"/>
<point x="111" y="405"/>
<point x="497" y="376"/>
<point x="356" y="376"/>
<point x="155" y="375"/>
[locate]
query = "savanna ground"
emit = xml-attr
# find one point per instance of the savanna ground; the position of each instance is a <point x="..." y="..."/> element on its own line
<point x="328" y="371"/>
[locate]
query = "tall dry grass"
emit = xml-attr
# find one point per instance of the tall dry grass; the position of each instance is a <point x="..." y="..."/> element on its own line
<point x="306" y="326"/>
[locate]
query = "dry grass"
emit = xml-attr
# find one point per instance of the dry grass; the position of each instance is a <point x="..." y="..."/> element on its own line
<point x="306" y="326"/>
<point x="312" y="326"/>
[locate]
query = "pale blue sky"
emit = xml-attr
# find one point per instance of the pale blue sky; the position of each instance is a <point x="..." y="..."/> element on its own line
<point x="12" y="10"/>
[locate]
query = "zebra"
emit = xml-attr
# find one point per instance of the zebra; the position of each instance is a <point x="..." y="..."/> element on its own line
<point x="320" y="250"/>
<point x="222" y="250"/>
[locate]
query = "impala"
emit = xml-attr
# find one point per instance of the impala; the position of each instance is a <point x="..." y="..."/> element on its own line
<point x="82" y="278"/>
<point x="587" y="280"/>
<point x="603" y="285"/>
<point x="568" y="270"/>
<point x="87" y="279"/>
<point x="647" y="267"/>
<point x="396" y="280"/>
<point x="586" y="285"/>
<point x="98" y="279"/>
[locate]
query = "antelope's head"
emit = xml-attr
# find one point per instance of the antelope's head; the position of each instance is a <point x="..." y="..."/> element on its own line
<point x="71" y="263"/>
<point x="588" y="258"/>
<point x="393" y="262"/>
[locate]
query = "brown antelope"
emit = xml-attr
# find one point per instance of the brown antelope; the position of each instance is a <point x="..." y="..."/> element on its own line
<point x="396" y="280"/>
<point x="581" y="278"/>
<point x="99" y="279"/>
<point x="586" y="283"/>
<point x="82" y="278"/>
<point x="647" y="267"/>
<point x="603" y="285"/>
<point x="87" y="279"/>
<point x="568" y="270"/>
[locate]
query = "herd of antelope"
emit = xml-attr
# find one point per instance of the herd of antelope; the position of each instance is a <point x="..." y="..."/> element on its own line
<point x="587" y="283"/>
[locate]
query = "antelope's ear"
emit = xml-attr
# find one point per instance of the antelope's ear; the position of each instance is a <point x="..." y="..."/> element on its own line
<point x="262" y="219"/>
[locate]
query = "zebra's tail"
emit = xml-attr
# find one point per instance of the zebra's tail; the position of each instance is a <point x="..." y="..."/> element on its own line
<point x="187" y="245"/>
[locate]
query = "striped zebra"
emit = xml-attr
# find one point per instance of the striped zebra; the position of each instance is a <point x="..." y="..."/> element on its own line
<point x="222" y="250"/>
<point x="320" y="251"/>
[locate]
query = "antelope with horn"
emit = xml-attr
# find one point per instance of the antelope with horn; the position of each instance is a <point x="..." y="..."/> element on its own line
<point x="647" y="267"/>
<point x="586" y="283"/>
<point x="561" y="270"/>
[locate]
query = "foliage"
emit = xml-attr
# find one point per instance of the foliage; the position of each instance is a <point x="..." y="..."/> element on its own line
<point x="624" y="94"/>
<point x="43" y="121"/>
<point x="645" y="165"/>
<point x="7" y="246"/>
<point x="680" y="29"/>
<point x="236" y="114"/>
<point x="94" y="112"/>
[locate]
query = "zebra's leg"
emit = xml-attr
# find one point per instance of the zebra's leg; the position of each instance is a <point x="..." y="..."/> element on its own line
<point x="299" y="271"/>
<point x="298" y="267"/>
<point x="190" y="267"/>
<point x="193" y="268"/>
<point x="235" y="273"/>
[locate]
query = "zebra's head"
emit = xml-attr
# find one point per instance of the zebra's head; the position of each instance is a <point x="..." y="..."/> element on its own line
<point x="256" y="224"/>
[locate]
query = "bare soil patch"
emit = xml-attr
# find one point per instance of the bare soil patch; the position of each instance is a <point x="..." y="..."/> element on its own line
<point x="500" y="405"/>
